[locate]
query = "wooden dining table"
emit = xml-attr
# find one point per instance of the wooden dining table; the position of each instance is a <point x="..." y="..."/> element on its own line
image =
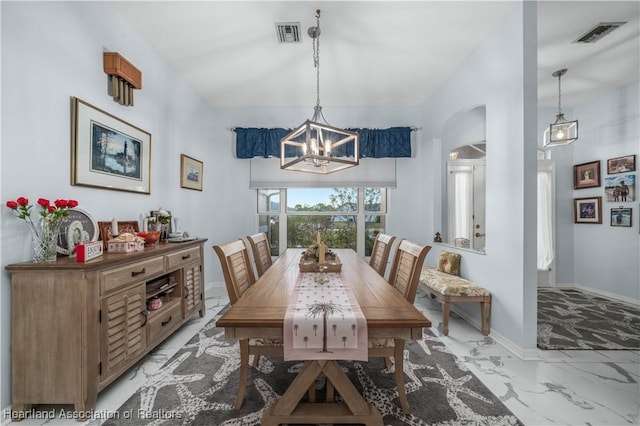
<point x="260" y="312"/>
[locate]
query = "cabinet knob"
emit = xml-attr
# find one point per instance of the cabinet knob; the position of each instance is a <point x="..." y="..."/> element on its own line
<point x="185" y="257"/>
<point x="146" y="318"/>
<point x="167" y="321"/>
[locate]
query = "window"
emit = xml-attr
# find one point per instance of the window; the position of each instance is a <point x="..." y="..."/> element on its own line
<point x="346" y="217"/>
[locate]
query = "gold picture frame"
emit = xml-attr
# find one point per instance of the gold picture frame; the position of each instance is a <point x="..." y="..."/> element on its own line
<point x="107" y="152"/>
<point x="191" y="173"/>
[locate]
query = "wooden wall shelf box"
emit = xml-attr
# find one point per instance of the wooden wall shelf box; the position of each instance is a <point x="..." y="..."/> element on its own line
<point x="76" y="327"/>
<point x="116" y="64"/>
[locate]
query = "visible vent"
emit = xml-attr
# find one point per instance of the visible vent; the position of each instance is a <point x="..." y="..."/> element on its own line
<point x="288" y="32"/>
<point x="599" y="31"/>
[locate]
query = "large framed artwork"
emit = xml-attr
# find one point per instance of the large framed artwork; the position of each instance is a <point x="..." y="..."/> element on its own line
<point x="586" y="175"/>
<point x="587" y="210"/>
<point x="107" y="152"/>
<point x="190" y="173"/>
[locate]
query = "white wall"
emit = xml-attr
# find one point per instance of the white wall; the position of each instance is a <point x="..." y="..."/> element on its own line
<point x="600" y="257"/>
<point x="52" y="51"/>
<point x="500" y="74"/>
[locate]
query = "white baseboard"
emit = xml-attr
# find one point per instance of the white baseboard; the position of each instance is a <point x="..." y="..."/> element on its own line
<point x="600" y="292"/>
<point x="523" y="354"/>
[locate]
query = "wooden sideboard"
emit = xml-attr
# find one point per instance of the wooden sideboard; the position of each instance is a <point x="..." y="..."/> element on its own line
<point x="76" y="327"/>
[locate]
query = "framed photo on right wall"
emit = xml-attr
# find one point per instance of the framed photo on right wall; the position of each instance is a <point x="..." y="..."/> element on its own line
<point x="587" y="210"/>
<point x="586" y="175"/>
<point x="621" y="217"/>
<point x="621" y="164"/>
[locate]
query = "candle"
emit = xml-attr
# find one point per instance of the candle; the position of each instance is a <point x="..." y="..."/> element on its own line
<point x="322" y="251"/>
<point x="145" y="224"/>
<point x="114" y="227"/>
<point x="318" y="238"/>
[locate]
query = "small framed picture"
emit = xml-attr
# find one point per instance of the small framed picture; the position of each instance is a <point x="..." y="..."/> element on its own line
<point x="124" y="226"/>
<point x="621" y="216"/>
<point x="620" y="188"/>
<point x="586" y="175"/>
<point x="587" y="210"/>
<point x="190" y="173"/>
<point x="621" y="164"/>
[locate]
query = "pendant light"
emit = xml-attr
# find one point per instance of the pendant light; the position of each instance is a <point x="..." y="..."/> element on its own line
<point x="315" y="146"/>
<point x="561" y="132"/>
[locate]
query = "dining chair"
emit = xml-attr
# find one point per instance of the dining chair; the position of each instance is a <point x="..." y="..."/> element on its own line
<point x="380" y="253"/>
<point x="238" y="277"/>
<point x="404" y="277"/>
<point x="261" y="252"/>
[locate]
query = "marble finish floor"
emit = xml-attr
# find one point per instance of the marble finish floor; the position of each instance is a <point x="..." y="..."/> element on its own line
<point x="559" y="388"/>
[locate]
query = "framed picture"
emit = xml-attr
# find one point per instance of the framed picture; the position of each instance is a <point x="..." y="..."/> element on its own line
<point x="620" y="188"/>
<point x="107" y="152"/>
<point x="586" y="175"/>
<point x="77" y="228"/>
<point x="621" y="164"/>
<point x="190" y="173"/>
<point x="587" y="210"/>
<point x="621" y="217"/>
<point x="127" y="226"/>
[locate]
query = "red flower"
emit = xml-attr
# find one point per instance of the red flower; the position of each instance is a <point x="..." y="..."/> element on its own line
<point x="22" y="201"/>
<point x="43" y="202"/>
<point x="72" y="203"/>
<point x="61" y="203"/>
<point x="51" y="209"/>
<point x="12" y="205"/>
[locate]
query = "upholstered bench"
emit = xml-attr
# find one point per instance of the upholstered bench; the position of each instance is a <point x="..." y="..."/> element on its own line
<point x="449" y="288"/>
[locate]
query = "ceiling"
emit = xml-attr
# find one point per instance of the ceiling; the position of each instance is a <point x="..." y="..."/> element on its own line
<point x="374" y="53"/>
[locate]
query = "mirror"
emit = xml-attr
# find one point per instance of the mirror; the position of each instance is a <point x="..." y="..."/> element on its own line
<point x="464" y="152"/>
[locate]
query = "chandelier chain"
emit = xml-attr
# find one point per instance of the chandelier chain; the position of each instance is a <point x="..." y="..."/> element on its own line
<point x="559" y="95"/>
<point x="316" y="56"/>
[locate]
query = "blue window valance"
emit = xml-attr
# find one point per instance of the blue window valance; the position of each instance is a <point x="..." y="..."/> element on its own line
<point x="394" y="142"/>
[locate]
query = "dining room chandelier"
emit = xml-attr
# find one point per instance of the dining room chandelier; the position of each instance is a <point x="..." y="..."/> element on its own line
<point x="561" y="132"/>
<point x="315" y="146"/>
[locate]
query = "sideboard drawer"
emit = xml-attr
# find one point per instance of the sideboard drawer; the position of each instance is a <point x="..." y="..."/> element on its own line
<point x="165" y="320"/>
<point x="177" y="260"/>
<point x="114" y="279"/>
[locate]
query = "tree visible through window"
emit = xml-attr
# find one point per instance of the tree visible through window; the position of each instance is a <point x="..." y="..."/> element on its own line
<point x="337" y="213"/>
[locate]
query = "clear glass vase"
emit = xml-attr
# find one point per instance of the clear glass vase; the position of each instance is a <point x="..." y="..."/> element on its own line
<point x="44" y="238"/>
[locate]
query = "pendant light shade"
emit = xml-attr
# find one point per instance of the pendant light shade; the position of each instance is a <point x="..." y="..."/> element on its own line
<point x="561" y="132"/>
<point x="315" y="146"/>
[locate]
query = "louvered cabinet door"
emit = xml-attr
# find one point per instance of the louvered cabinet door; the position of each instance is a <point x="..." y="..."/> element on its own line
<point x="192" y="289"/>
<point x="123" y="317"/>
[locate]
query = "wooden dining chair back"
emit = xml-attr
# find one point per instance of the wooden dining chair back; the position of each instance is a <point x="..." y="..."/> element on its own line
<point x="261" y="252"/>
<point x="404" y="277"/>
<point x="238" y="277"/>
<point x="406" y="268"/>
<point x="236" y="268"/>
<point x="380" y="253"/>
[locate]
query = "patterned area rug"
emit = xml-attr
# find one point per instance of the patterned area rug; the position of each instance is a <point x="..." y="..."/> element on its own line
<point x="575" y="319"/>
<point x="198" y="386"/>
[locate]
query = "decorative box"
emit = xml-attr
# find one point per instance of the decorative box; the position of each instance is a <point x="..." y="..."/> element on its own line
<point x="312" y="266"/>
<point x="88" y="251"/>
<point x="118" y="246"/>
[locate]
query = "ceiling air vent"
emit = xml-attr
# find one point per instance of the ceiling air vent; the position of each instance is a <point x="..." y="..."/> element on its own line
<point x="288" y="32"/>
<point x="599" y="31"/>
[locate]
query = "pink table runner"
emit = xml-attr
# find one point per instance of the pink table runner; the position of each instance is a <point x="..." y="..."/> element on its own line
<point x="324" y="321"/>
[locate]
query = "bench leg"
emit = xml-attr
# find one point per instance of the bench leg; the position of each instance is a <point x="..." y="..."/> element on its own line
<point x="445" y="318"/>
<point x="486" y="310"/>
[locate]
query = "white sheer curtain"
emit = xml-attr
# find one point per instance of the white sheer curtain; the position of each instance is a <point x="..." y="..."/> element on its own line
<point x="545" y="220"/>
<point x="460" y="204"/>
